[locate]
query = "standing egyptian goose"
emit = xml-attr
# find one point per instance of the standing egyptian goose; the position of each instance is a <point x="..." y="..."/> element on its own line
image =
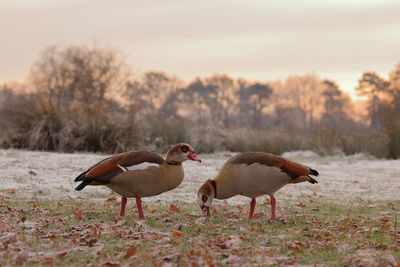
<point x="253" y="174"/>
<point x="139" y="173"/>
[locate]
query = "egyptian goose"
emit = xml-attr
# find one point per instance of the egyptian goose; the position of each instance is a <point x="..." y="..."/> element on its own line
<point x="253" y="174"/>
<point x="139" y="173"/>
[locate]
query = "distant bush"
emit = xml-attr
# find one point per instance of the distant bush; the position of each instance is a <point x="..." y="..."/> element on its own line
<point x="274" y="141"/>
<point x="81" y="98"/>
<point x="33" y="125"/>
<point x="163" y="131"/>
<point x="207" y="139"/>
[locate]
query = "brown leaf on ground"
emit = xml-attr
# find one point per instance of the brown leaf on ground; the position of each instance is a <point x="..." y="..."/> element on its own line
<point x="370" y="257"/>
<point x="78" y="214"/>
<point x="293" y="245"/>
<point x="12" y="191"/>
<point x="177" y="234"/>
<point x="173" y="209"/>
<point x="113" y="198"/>
<point x="62" y="254"/>
<point x="130" y="251"/>
<point x="266" y="202"/>
<point x="49" y="261"/>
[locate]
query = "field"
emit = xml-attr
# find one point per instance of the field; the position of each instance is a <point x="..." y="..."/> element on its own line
<point x="349" y="218"/>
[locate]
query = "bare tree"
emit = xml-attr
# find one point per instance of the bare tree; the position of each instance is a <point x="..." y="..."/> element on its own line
<point x="150" y="91"/>
<point x="376" y="89"/>
<point x="392" y="125"/>
<point x="253" y="99"/>
<point x="226" y="106"/>
<point x="73" y="104"/>
<point x="304" y="92"/>
<point x="79" y="76"/>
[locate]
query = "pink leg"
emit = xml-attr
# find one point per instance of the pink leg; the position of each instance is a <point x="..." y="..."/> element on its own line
<point x="273" y="205"/>
<point x="139" y="207"/>
<point x="252" y="206"/>
<point x="123" y="204"/>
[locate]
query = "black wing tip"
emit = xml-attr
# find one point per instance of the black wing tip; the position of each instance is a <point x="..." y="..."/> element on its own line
<point x="82" y="185"/>
<point x="81" y="176"/>
<point x="312" y="180"/>
<point x="313" y="172"/>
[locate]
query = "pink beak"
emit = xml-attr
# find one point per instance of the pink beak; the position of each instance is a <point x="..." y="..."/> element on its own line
<point x="193" y="157"/>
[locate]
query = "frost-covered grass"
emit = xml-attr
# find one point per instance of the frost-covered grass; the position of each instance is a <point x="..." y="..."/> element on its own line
<point x="342" y="179"/>
<point x="350" y="217"/>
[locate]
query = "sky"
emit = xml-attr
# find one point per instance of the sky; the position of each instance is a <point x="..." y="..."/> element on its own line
<point x="259" y="40"/>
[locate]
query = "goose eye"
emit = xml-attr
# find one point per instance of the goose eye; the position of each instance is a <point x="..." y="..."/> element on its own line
<point x="184" y="149"/>
<point x="204" y="198"/>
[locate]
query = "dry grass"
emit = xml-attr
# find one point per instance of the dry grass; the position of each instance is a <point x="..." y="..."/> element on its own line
<point x="72" y="233"/>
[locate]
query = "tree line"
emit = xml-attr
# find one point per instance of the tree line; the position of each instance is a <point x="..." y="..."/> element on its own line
<point x="89" y="99"/>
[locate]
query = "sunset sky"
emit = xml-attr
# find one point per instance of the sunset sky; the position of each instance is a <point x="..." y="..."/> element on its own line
<point x="255" y="39"/>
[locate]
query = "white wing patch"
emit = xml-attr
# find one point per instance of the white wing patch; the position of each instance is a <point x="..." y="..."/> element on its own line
<point x="141" y="166"/>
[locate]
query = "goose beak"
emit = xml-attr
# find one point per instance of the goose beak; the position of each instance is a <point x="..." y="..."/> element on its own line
<point x="193" y="157"/>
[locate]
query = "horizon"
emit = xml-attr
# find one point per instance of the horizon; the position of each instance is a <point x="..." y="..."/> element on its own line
<point x="255" y="40"/>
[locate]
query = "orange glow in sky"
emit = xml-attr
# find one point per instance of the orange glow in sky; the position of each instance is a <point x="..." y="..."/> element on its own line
<point x="255" y="39"/>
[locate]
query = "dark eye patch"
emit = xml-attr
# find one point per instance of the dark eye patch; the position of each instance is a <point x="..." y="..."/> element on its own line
<point x="204" y="198"/>
<point x="185" y="149"/>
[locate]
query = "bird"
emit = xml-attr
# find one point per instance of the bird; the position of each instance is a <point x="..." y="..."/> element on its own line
<point x="139" y="174"/>
<point x="253" y="174"/>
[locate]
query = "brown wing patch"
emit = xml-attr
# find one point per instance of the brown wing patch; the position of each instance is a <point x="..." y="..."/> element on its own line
<point x="105" y="170"/>
<point x="102" y="169"/>
<point x="97" y="183"/>
<point x="293" y="169"/>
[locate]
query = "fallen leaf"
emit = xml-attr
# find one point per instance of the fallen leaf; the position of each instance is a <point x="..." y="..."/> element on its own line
<point x="12" y="191"/>
<point x="130" y="251"/>
<point x="173" y="208"/>
<point x="266" y="202"/>
<point x="177" y="234"/>
<point x="62" y="254"/>
<point x="293" y="246"/>
<point x="113" y="198"/>
<point x="78" y="214"/>
<point x="49" y="261"/>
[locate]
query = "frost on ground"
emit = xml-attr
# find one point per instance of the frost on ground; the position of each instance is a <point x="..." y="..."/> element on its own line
<point x="34" y="175"/>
